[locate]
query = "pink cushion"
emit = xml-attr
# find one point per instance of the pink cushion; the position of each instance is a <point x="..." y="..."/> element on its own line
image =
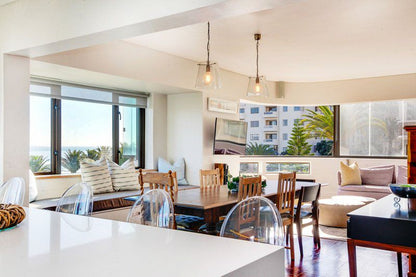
<point x="401" y="174"/>
<point x="378" y="176"/>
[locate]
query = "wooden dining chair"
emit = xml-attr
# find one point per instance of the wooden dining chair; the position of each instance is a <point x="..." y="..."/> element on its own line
<point x="308" y="194"/>
<point x="169" y="183"/>
<point x="248" y="187"/>
<point x="285" y="204"/>
<point x="209" y="178"/>
<point x="157" y="180"/>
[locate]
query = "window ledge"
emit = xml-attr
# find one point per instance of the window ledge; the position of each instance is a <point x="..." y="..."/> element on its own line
<point x="56" y="176"/>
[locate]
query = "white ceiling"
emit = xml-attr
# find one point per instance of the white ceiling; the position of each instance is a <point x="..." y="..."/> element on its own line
<point x="314" y="40"/>
<point x="4" y="2"/>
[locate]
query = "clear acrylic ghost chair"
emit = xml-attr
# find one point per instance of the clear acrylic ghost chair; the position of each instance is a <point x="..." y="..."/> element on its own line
<point x="153" y="208"/>
<point x="13" y="191"/>
<point x="254" y="219"/>
<point x="78" y="200"/>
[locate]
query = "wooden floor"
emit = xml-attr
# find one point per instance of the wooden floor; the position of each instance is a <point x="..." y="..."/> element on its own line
<point x="332" y="261"/>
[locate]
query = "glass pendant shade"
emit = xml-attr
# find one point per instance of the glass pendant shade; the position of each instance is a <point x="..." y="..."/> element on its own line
<point x="208" y="76"/>
<point x="257" y="86"/>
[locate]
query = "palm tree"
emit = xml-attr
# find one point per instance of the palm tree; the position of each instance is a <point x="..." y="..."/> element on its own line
<point x="92" y="154"/>
<point x="104" y="152"/>
<point x="259" y="149"/>
<point x="297" y="145"/>
<point x="38" y="164"/>
<point x="319" y="123"/>
<point x="71" y="160"/>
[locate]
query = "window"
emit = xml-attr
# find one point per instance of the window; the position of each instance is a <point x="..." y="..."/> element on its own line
<point x="242" y="110"/>
<point x="40" y="134"/>
<point x="300" y="168"/>
<point x="254" y="137"/>
<point x="254" y="110"/>
<point x="70" y="123"/>
<point x="85" y="133"/>
<point x="249" y="168"/>
<point x="297" y="121"/>
<point x="297" y="109"/>
<point x="299" y="140"/>
<point x="271" y="136"/>
<point x="376" y="128"/>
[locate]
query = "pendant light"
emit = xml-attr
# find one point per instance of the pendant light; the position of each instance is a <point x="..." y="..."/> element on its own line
<point x="257" y="86"/>
<point x="208" y="76"/>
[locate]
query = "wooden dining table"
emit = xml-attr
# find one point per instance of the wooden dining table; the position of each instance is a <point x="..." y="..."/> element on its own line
<point x="211" y="203"/>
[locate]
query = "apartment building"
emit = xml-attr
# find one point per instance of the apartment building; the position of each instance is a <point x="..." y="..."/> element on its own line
<point x="272" y="125"/>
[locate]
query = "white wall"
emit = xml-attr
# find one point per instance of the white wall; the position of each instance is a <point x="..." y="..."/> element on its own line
<point x="156" y="130"/>
<point x="15" y="115"/>
<point x="184" y="132"/>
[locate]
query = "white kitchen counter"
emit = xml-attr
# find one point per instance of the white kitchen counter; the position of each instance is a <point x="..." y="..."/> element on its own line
<point x="55" y="244"/>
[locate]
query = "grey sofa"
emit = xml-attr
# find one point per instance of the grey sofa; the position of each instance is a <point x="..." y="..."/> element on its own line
<point x="375" y="181"/>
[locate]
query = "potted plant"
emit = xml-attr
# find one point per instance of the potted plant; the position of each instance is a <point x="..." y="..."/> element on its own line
<point x="233" y="183"/>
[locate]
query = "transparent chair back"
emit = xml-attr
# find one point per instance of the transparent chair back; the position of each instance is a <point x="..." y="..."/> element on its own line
<point x="153" y="208"/>
<point x="254" y="219"/>
<point x="78" y="200"/>
<point x="13" y="191"/>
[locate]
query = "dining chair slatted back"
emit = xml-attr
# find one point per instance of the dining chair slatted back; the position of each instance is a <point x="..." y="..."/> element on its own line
<point x="254" y="219"/>
<point x="154" y="208"/>
<point x="78" y="199"/>
<point x="285" y="203"/>
<point x="13" y="191"/>
<point x="248" y="187"/>
<point x="286" y="189"/>
<point x="157" y="180"/>
<point x="209" y="178"/>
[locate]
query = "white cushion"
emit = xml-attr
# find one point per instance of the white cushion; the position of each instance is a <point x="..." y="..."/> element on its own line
<point x="123" y="177"/>
<point x="33" y="189"/>
<point x="179" y="167"/>
<point x="97" y="175"/>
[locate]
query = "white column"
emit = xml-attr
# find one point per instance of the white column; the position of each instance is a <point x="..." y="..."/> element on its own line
<point x="15" y="118"/>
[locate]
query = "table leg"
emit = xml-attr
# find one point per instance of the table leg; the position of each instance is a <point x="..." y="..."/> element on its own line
<point x="211" y="220"/>
<point x="352" y="258"/>
<point x="412" y="266"/>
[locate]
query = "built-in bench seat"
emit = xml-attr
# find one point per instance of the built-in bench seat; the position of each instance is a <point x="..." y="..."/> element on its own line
<point x="102" y="202"/>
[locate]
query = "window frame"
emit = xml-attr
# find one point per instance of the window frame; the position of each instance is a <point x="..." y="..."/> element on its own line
<point x="336" y="144"/>
<point x="56" y="134"/>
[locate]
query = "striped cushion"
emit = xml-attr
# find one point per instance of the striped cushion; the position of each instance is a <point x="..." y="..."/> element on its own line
<point x="124" y="177"/>
<point x="96" y="175"/>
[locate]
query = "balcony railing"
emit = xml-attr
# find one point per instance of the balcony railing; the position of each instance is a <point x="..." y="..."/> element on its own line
<point x="270" y="141"/>
<point x="270" y="127"/>
<point x="270" y="114"/>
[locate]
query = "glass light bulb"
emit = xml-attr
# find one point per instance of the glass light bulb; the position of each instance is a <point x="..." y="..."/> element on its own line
<point x="257" y="87"/>
<point x="207" y="77"/>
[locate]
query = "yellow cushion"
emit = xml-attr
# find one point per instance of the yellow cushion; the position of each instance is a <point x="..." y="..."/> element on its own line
<point x="350" y="175"/>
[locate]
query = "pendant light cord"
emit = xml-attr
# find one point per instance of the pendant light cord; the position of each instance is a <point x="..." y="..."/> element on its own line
<point x="209" y="38"/>
<point x="257" y="58"/>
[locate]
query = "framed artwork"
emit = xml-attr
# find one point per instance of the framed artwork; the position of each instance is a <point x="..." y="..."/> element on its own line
<point x="222" y="106"/>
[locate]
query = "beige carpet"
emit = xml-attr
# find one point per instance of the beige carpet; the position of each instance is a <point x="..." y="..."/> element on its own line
<point x="326" y="232"/>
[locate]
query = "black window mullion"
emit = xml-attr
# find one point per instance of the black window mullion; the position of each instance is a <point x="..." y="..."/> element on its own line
<point x="336" y="144"/>
<point x="55" y="136"/>
<point x="116" y="138"/>
<point x="140" y="133"/>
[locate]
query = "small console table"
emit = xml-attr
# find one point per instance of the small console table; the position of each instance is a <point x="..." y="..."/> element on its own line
<point x="382" y="225"/>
